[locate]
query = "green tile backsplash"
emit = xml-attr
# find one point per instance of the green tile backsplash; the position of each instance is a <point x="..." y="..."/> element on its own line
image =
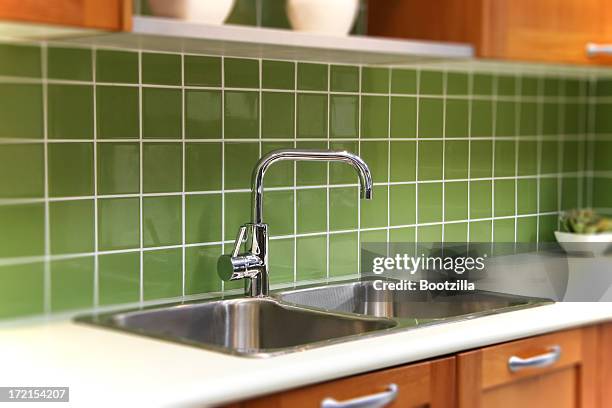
<point x="121" y="186"/>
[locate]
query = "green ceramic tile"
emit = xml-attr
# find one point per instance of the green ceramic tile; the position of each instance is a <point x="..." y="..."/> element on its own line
<point x="203" y="166"/>
<point x="311" y="173"/>
<point x="118" y="223"/>
<point x="240" y="158"/>
<point x="203" y="218"/>
<point x="343" y="202"/>
<point x="505" y="158"/>
<point x="311" y="210"/>
<point x="374" y="116"/>
<point x="548" y="226"/>
<point x="529" y="119"/>
<point x="22" y="290"/>
<point x="550" y="118"/>
<point x="430" y="202"/>
<point x="456" y="232"/>
<point x="603" y="87"/>
<point x="201" y="269"/>
<point x="118" y="168"/>
<point x="431" y="112"/>
<point x="603" y="114"/>
<point x="278" y="74"/>
<point x="405" y="234"/>
<point x="241" y="115"/>
<point x="241" y="73"/>
<point x="603" y="153"/>
<point x="480" y="231"/>
<point x="119" y="278"/>
<point x="161" y="167"/>
<point x="403" y="81"/>
<point x="482" y="118"/>
<point x="344" y="116"/>
<point x="504" y="198"/>
<point x="281" y="174"/>
<point x="373" y="236"/>
<point x="203" y="114"/>
<point x="343" y="254"/>
<point x="505" y="118"/>
<point x="457" y="118"/>
<point x="374" y="80"/>
<point x="311" y="257"/>
<point x="161" y="113"/>
<point x="548" y="194"/>
<point x="430" y="160"/>
<point x="278" y="212"/>
<point x="162" y="276"/>
<point x="456" y="83"/>
<point x="529" y="86"/>
<point x="481" y="163"/>
<point x="526" y="229"/>
<point x="21" y="111"/>
<point x="202" y="71"/>
<point x="117" y="112"/>
<point x="403" y="161"/>
<point x="70" y="112"/>
<point x="237" y="212"/>
<point x="21" y="170"/>
<point x="571" y="113"/>
<point x="455" y="201"/>
<point x="23" y="230"/>
<point x="456" y="159"/>
<point x="69" y="63"/>
<point x="161" y="69"/>
<point x="72" y="284"/>
<point x="71" y="226"/>
<point x="602" y="192"/>
<point x="429" y="233"/>
<point x="527" y="196"/>
<point x="340" y="173"/>
<point x="161" y="221"/>
<point x="70" y="169"/>
<point x="431" y="83"/>
<point x="344" y="78"/>
<point x="281" y="260"/>
<point x="374" y="211"/>
<point x="312" y="77"/>
<point x="376" y="154"/>
<point x="402" y="204"/>
<point x="20" y="60"/>
<point x="503" y="230"/>
<point x="506" y="85"/>
<point x="571" y="151"/>
<point x="403" y="117"/>
<point x="527" y="158"/>
<point x="277" y="115"/>
<point x="569" y="193"/>
<point x="480" y="199"/>
<point x="311" y="116"/>
<point x="117" y="66"/>
<point x="551" y="86"/>
<point x="482" y="84"/>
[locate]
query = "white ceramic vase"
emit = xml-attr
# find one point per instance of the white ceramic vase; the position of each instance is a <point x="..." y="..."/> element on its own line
<point x="197" y="11"/>
<point x="331" y="17"/>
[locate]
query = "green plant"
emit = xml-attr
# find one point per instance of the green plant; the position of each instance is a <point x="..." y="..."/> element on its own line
<point x="585" y="221"/>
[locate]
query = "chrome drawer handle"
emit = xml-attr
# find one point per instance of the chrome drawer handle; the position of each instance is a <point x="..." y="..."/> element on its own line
<point x="371" y="401"/>
<point x="594" y="50"/>
<point x="543" y="360"/>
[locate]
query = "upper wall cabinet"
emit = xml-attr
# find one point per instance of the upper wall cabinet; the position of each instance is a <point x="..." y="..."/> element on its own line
<point x="528" y="30"/>
<point x="111" y="15"/>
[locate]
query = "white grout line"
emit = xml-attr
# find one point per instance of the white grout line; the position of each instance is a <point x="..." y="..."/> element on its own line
<point x="223" y="191"/>
<point x="494" y="105"/>
<point x="295" y="121"/>
<point x="540" y="127"/>
<point x="517" y="130"/>
<point x="184" y="183"/>
<point x="96" y="288"/>
<point x="416" y="162"/>
<point x="327" y="190"/>
<point x="469" y="172"/>
<point x="444" y="99"/>
<point x="47" y="228"/>
<point x="141" y="177"/>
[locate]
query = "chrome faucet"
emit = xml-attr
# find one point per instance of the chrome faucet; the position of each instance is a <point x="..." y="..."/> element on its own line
<point x="252" y="265"/>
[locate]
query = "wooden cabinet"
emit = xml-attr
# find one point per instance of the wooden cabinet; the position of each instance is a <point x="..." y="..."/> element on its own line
<point x="605" y="365"/>
<point x="530" y="30"/>
<point x="111" y="15"/>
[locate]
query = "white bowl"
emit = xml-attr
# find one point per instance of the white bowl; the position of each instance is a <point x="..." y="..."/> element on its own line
<point x="197" y="11"/>
<point x="597" y="244"/>
<point x="331" y="17"/>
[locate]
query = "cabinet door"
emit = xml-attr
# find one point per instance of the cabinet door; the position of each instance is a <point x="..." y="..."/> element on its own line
<point x="112" y="15"/>
<point x="605" y="364"/>
<point x="551" y="371"/>
<point x="428" y="384"/>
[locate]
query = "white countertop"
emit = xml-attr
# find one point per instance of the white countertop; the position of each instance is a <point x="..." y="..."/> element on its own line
<point x="109" y="368"/>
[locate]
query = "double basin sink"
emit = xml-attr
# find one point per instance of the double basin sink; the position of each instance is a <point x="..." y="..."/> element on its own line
<point x="307" y="317"/>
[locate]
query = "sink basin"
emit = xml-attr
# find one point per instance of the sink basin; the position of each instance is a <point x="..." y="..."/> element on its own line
<point x="246" y="326"/>
<point x="362" y="298"/>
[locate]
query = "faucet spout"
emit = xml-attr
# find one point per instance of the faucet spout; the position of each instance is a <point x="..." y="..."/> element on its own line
<point x="365" y="176"/>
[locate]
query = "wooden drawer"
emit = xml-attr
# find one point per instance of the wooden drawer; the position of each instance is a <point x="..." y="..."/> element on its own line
<point x="430" y="384"/>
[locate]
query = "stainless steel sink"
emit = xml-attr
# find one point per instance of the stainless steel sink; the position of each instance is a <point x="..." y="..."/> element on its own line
<point x="246" y="326"/>
<point x="361" y="297"/>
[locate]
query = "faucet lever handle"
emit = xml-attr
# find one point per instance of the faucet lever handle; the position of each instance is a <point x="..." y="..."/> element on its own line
<point x="242" y="232"/>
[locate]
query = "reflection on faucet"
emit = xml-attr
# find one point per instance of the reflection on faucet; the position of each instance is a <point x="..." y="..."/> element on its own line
<point x="253" y="264"/>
